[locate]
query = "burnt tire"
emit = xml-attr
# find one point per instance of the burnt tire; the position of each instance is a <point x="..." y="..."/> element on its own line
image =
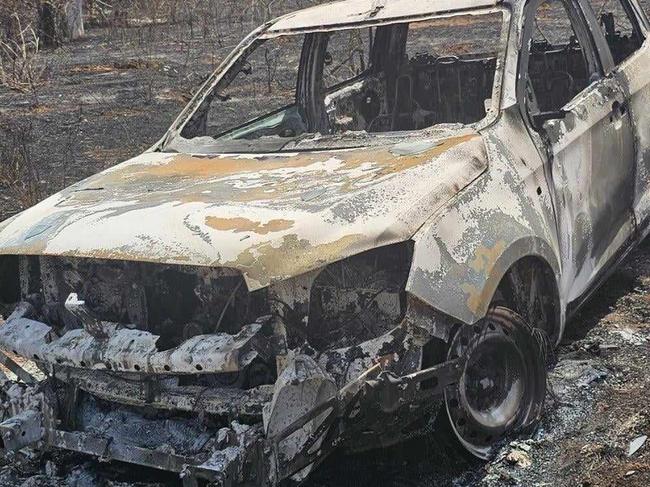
<point x="502" y="388"/>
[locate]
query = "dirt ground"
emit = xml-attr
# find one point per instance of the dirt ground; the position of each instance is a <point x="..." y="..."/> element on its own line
<point x="113" y="94"/>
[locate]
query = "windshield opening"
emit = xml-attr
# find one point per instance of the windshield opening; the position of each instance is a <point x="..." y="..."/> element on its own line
<point x="294" y="91"/>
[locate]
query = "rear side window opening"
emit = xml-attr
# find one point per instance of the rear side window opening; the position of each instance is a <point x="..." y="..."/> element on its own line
<point x="619" y="26"/>
<point x="392" y="78"/>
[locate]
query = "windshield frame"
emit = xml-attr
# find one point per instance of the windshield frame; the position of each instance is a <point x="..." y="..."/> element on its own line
<point x="262" y="34"/>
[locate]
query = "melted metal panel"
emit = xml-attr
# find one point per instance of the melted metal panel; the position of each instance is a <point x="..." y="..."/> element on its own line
<point x="460" y="258"/>
<point x="134" y="350"/>
<point x="174" y="209"/>
<point x="595" y="198"/>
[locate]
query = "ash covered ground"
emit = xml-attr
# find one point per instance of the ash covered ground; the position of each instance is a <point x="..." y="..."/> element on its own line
<point x="113" y="94"/>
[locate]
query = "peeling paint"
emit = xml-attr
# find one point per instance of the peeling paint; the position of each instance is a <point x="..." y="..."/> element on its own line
<point x="239" y="225"/>
<point x="189" y="210"/>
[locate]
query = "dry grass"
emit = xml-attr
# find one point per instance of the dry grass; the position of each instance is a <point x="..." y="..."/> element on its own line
<point x="20" y="179"/>
<point x="20" y="68"/>
<point x="91" y="69"/>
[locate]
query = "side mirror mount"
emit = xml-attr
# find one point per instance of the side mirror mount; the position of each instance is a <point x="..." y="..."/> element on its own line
<point x="540" y="118"/>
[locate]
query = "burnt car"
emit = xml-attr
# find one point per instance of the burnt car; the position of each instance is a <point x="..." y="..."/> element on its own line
<point x="373" y="216"/>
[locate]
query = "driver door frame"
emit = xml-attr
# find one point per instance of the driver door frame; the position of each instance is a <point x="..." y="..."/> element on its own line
<point x="580" y="273"/>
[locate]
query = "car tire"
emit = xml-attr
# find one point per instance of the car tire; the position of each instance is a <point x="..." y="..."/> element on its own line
<point x="503" y="384"/>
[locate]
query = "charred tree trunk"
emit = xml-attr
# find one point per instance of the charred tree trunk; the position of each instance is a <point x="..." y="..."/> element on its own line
<point x="120" y="14"/>
<point x="49" y="27"/>
<point x="74" y="19"/>
<point x="60" y="20"/>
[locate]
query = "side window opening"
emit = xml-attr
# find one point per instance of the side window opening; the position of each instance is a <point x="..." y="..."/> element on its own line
<point x="347" y="56"/>
<point x="262" y="86"/>
<point x="620" y="28"/>
<point x="353" y="93"/>
<point x="435" y="71"/>
<point x="558" y="67"/>
<point x="451" y="68"/>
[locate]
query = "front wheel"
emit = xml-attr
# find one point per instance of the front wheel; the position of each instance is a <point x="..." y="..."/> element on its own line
<point x="503" y="385"/>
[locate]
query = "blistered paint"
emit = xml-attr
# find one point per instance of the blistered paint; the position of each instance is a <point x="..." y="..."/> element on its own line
<point x="242" y="225"/>
<point x="459" y="257"/>
<point x="251" y="213"/>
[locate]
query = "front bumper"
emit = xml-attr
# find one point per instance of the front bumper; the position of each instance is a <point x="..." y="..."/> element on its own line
<point x="96" y="401"/>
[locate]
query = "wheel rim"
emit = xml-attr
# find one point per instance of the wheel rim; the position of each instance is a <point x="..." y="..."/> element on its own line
<point x="503" y="384"/>
<point x="492" y="388"/>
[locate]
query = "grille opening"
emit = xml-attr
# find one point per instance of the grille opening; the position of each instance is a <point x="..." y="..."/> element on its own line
<point x="173" y="302"/>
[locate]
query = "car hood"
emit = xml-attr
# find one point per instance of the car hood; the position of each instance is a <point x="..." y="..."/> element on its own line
<point x="269" y="216"/>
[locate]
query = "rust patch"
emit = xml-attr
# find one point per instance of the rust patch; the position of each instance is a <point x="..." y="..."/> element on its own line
<point x="483" y="263"/>
<point x="265" y="260"/>
<point x="199" y="174"/>
<point x="486" y="257"/>
<point x="239" y="225"/>
<point x="168" y="180"/>
<point x="144" y="254"/>
<point x="391" y="163"/>
<point x="211" y="167"/>
<point x="475" y="297"/>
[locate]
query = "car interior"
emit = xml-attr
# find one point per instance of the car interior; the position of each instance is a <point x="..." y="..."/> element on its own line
<point x="423" y="88"/>
<point x="558" y="69"/>
<point x="391" y="78"/>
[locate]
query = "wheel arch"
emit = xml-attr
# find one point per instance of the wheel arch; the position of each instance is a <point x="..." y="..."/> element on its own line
<point x="465" y="290"/>
<point x="530" y="288"/>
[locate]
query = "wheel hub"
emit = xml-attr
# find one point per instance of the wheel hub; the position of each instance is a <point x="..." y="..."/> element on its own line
<point x="503" y="385"/>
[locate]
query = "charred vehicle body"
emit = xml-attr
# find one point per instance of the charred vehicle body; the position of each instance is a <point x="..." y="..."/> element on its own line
<point x="374" y="213"/>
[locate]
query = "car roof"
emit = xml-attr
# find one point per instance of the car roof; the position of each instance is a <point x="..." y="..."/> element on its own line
<point x="346" y="12"/>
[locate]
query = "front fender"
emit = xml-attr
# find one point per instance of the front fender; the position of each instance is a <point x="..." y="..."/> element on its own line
<point x="462" y="254"/>
<point x="464" y="289"/>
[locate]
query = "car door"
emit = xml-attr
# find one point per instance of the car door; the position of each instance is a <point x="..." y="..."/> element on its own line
<point x="624" y="29"/>
<point x="585" y="125"/>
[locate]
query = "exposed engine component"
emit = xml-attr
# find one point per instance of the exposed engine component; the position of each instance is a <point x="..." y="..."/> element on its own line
<point x="9" y="283"/>
<point x="360" y="298"/>
<point x="174" y="302"/>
